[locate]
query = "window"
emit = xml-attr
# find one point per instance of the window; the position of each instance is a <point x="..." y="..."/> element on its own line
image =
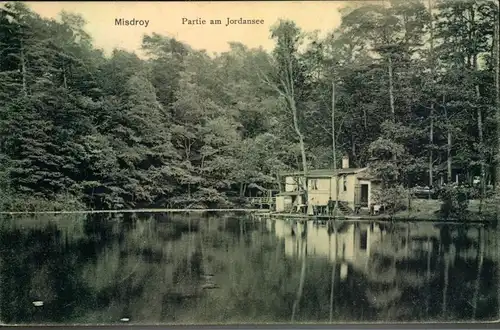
<point x="345" y="182"/>
<point x="313" y="184"/>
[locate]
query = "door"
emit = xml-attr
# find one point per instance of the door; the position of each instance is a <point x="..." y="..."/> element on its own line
<point x="364" y="195"/>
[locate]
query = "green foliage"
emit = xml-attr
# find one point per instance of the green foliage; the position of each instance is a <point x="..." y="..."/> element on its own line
<point x="20" y="203"/>
<point x="185" y="129"/>
<point x="393" y="198"/>
<point x="455" y="202"/>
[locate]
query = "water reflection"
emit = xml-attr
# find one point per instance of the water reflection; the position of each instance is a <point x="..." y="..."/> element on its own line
<point x="158" y="268"/>
<point x="412" y="271"/>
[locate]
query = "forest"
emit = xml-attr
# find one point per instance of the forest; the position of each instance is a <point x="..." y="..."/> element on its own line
<point x="410" y="86"/>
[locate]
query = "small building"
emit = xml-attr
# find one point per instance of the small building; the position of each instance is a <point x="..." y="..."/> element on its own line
<point x="286" y="200"/>
<point x="355" y="188"/>
<point x="259" y="196"/>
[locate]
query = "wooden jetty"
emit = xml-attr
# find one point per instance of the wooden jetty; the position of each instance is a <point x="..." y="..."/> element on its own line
<point x="304" y="217"/>
<point x="143" y="211"/>
<point x="349" y="218"/>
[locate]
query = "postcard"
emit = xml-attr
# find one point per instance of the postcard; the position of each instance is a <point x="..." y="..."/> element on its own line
<point x="249" y="162"/>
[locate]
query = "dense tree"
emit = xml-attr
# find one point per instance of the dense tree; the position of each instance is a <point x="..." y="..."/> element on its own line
<point x="416" y="86"/>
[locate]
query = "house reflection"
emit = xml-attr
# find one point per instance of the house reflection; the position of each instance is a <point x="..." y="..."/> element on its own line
<point x="362" y="246"/>
<point x="350" y="246"/>
<point x="354" y="242"/>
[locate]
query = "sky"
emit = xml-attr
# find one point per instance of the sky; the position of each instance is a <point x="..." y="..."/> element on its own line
<point x="166" y="18"/>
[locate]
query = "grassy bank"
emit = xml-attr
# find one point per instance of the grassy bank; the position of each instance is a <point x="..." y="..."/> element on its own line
<point x="425" y="209"/>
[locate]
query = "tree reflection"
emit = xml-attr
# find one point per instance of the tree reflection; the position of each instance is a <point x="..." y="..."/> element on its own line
<point x="302" y="271"/>
<point x="39" y="264"/>
<point x="334" y="271"/>
<point x="480" y="260"/>
<point x="445" y="243"/>
<point x="173" y="269"/>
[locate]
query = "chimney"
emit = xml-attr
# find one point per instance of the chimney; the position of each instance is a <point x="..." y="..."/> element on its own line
<point x="345" y="161"/>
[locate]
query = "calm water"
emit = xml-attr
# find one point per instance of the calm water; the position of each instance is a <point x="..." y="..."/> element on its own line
<point x="225" y="269"/>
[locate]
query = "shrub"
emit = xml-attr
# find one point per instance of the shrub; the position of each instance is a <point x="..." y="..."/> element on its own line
<point x="454" y="201"/>
<point x="393" y="198"/>
<point x="22" y="203"/>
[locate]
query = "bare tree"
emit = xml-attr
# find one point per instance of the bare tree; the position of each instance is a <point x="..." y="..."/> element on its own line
<point x="334" y="150"/>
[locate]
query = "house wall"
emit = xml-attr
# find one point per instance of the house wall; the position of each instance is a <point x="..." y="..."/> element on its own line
<point x="291" y="183"/>
<point x="321" y="195"/>
<point x="350" y="185"/>
<point x="280" y="203"/>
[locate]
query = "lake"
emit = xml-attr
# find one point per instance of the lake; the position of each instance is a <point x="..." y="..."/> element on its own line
<point x="179" y="269"/>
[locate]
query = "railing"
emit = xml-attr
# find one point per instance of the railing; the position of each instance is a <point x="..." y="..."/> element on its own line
<point x="261" y="200"/>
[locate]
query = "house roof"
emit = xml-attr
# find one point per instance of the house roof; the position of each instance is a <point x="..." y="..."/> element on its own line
<point x="326" y="172"/>
<point x="368" y="175"/>
<point x="290" y="193"/>
<point x="254" y="185"/>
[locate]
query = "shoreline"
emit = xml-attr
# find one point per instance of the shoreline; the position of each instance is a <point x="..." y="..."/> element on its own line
<point x="404" y="216"/>
<point x="136" y="211"/>
<point x="384" y="218"/>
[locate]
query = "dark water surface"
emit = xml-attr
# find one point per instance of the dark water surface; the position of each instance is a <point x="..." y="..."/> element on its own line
<point x="159" y="268"/>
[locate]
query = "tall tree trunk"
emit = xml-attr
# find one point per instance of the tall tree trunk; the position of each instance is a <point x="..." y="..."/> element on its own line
<point x="296" y="127"/>
<point x="497" y="110"/>
<point x="431" y="115"/>
<point x="391" y="94"/>
<point x="353" y="151"/>
<point x="431" y="144"/>
<point x="290" y="92"/>
<point x="365" y="119"/>
<point x="481" y="148"/>
<point x="391" y="88"/>
<point x="301" y="142"/>
<point x="278" y="179"/>
<point x="334" y="150"/>
<point x="241" y="189"/>
<point x="448" y="144"/>
<point x="287" y="90"/>
<point x="65" y="82"/>
<point x="497" y="117"/>
<point x="448" y="157"/>
<point x="479" y="109"/>
<point x="23" y="69"/>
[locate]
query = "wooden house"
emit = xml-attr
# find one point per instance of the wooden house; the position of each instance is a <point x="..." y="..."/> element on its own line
<point x="354" y="190"/>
